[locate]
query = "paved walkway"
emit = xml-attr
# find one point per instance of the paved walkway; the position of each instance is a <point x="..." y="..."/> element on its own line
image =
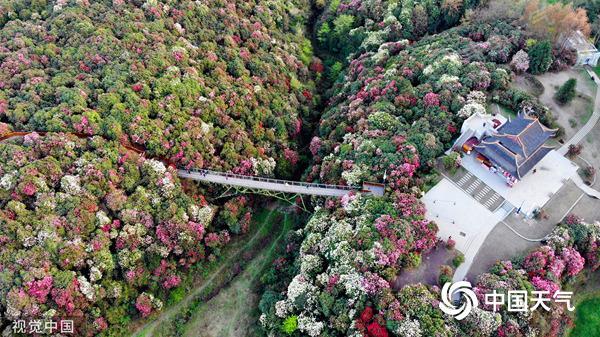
<point x="580" y="135"/>
<point x="585" y="187"/>
<point x="477" y="189"/>
<point x="588" y="208"/>
<point x="516" y="235"/>
<point x="460" y="216"/>
<point x="276" y="185"/>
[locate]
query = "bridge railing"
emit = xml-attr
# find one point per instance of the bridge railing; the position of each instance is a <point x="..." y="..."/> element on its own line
<point x="271" y="180"/>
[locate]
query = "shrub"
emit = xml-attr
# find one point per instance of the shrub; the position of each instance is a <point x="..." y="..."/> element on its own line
<point x="445" y="279"/>
<point x="176" y="295"/>
<point x="589" y="172"/>
<point x="520" y="62"/>
<point x="537" y="86"/>
<point x="574" y="150"/>
<point x="377" y="330"/>
<point x="540" y="57"/>
<point x="334" y="71"/>
<point x="413" y="260"/>
<point x="563" y="59"/>
<point x="450" y="244"/>
<point x="566" y="92"/>
<point x="458" y="260"/>
<point x="290" y="325"/>
<point x="451" y="162"/>
<point x="446" y="273"/>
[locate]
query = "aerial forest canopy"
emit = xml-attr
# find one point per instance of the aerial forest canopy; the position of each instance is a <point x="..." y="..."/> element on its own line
<point x="405" y="75"/>
<point x="327" y="91"/>
<point x="205" y="83"/>
<point x="91" y="230"/>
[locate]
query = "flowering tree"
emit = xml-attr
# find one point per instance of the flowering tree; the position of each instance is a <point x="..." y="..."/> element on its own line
<point x="393" y="114"/>
<point x="547" y="268"/>
<point x="253" y="94"/>
<point x="95" y="227"/>
<point x="354" y="256"/>
<point x="431" y="99"/>
<point x="520" y="62"/>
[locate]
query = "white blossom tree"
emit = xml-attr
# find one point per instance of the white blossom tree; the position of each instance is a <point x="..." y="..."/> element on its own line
<point x="520" y="62"/>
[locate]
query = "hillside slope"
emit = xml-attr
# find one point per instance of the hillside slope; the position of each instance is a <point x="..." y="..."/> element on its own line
<point x="205" y="83"/>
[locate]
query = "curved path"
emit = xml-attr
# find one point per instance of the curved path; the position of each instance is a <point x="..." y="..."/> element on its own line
<point x="585" y="187"/>
<point x="236" y="180"/>
<point x="583" y="132"/>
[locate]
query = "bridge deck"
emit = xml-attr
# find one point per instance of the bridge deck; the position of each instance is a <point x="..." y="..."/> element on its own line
<point x="254" y="182"/>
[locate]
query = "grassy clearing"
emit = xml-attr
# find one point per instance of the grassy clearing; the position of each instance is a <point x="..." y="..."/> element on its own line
<point x="587" y="319"/>
<point x="232" y="312"/>
<point x="587" y="307"/>
<point x="214" y="276"/>
<point x="589" y="80"/>
<point x="502" y="110"/>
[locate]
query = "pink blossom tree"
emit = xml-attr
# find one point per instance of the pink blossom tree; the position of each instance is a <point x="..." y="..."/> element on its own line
<point x="431" y="99"/>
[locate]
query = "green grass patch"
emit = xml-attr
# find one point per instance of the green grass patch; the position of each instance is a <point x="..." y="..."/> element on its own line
<point x="584" y="118"/>
<point x="587" y="319"/>
<point x="263" y="255"/>
<point x="252" y="252"/>
<point x="504" y="111"/>
<point x="263" y="223"/>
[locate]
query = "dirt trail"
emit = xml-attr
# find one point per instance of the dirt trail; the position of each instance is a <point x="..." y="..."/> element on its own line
<point x="148" y="328"/>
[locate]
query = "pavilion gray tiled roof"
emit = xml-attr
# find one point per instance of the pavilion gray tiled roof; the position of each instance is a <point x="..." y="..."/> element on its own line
<point x="518" y="145"/>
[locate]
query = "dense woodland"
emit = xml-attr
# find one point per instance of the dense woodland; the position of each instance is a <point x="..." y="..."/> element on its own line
<point x="201" y="83"/>
<point x="92" y="230"/>
<point x="395" y="106"/>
